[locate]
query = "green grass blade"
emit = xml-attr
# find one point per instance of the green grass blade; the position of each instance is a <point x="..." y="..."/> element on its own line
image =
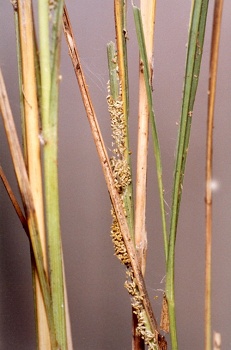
<point x="194" y="55"/>
<point x="143" y="56"/>
<point x="50" y="87"/>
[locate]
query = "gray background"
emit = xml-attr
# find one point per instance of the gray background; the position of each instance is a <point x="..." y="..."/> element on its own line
<point x="99" y="304"/>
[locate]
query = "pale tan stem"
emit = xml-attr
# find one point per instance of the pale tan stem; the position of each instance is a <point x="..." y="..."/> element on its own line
<point x="33" y="148"/>
<point x="148" y="17"/>
<point x="209" y="160"/>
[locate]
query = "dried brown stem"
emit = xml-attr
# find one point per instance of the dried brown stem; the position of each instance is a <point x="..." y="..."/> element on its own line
<point x="13" y="200"/>
<point x="209" y="160"/>
<point x="104" y="160"/>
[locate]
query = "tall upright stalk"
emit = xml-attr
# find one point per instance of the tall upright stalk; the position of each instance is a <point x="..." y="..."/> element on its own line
<point x="49" y="92"/>
<point x="148" y="17"/>
<point x="32" y="148"/>
<point x="44" y="60"/>
<point x="194" y="55"/>
<point x="218" y="6"/>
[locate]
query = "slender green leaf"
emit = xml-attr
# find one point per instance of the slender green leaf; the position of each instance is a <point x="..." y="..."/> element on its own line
<point x="50" y="87"/>
<point x="192" y="70"/>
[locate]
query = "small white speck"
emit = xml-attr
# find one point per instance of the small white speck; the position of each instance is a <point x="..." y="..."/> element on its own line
<point x="215" y="185"/>
<point x="41" y="139"/>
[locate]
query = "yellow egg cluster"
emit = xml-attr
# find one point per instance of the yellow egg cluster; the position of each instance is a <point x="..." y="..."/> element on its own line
<point x="138" y="308"/>
<point x="122" y="178"/>
<point x="118" y="242"/>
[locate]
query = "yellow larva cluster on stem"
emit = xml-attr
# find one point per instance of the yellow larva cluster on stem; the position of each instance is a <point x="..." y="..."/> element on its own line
<point x="122" y="178"/>
<point x="120" y="169"/>
<point x="137" y="303"/>
<point x="118" y="242"/>
<point x="115" y="108"/>
<point x="121" y="173"/>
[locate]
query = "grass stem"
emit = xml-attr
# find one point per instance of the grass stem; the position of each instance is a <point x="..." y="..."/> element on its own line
<point x="31" y="120"/>
<point x="218" y="6"/>
<point x="49" y="65"/>
<point x="148" y="18"/>
<point x="192" y="70"/>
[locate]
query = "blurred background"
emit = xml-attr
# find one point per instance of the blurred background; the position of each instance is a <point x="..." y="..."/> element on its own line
<point x="99" y="304"/>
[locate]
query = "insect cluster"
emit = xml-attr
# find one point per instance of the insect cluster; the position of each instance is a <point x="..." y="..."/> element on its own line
<point x="120" y="167"/>
<point x="138" y="309"/>
<point x="122" y="179"/>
